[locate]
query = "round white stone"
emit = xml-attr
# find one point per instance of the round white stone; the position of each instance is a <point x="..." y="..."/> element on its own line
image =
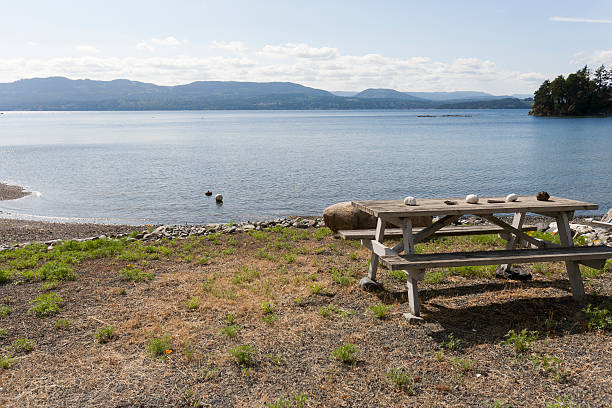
<point x="471" y="199"/>
<point x="511" y="197"/>
<point x="410" y="200"/>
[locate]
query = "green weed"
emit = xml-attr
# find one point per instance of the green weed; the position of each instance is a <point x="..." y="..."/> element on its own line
<point x="599" y="319"/>
<point x="3" y="332"/>
<point x="106" y="334"/>
<point x="562" y="401"/>
<point x="193" y="302"/>
<point x="462" y="364"/>
<point x="347" y="353"/>
<point x="230" y="330"/>
<point x="5" y="311"/>
<point x="244" y="355"/>
<point x="521" y="341"/>
<point x="45" y="305"/>
<point x="402" y="380"/>
<point x="55" y="271"/>
<point x="23" y="345"/>
<point x="343" y="277"/>
<point x="245" y="275"/>
<point x="434" y="277"/>
<point x="331" y="310"/>
<point x="7" y="362"/>
<point x="452" y="343"/>
<point x="131" y="273"/>
<point x="321" y="233"/>
<point x="159" y="346"/>
<point x="62" y="324"/>
<point x="398" y="275"/>
<point x="267" y="307"/>
<point x="379" y="311"/>
<point x="550" y="365"/>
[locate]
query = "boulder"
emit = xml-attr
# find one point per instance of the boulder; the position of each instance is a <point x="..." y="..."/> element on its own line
<point x="344" y="216"/>
<point x="608" y="216"/>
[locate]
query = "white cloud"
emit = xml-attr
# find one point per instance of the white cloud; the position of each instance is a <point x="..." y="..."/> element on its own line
<point x="233" y="46"/>
<point x="153" y="43"/>
<point x="300" y="51"/>
<point x="580" y="20"/>
<point x="320" y="67"/>
<point x="596" y="58"/>
<point x="87" y="49"/>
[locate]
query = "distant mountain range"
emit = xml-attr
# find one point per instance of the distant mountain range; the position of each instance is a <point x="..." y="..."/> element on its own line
<point x="58" y="93"/>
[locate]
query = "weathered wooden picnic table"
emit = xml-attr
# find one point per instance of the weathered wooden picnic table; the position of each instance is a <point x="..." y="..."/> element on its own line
<point x="395" y="212"/>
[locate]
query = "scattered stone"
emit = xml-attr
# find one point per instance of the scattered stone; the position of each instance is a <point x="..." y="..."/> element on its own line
<point x="542" y="196"/>
<point x="471" y="199"/>
<point x="511" y="197"/>
<point x="346" y="216"/>
<point x="410" y="200"/>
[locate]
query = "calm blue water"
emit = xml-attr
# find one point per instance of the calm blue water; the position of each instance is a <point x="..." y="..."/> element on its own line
<point x="154" y="167"/>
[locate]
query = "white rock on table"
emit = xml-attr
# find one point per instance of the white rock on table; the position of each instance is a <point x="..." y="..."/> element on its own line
<point x="511" y="197"/>
<point x="410" y="200"/>
<point x="471" y="199"/>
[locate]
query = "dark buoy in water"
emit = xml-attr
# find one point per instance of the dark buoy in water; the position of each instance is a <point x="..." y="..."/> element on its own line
<point x="219" y="198"/>
<point x="208" y="193"/>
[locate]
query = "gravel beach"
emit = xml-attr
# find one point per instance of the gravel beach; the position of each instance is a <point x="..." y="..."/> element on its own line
<point x="8" y="192"/>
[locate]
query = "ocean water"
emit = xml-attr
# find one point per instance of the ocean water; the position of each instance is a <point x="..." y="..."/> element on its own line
<point x="154" y="167"/>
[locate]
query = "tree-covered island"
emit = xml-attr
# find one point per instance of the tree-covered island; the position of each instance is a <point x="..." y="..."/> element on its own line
<point x="583" y="93"/>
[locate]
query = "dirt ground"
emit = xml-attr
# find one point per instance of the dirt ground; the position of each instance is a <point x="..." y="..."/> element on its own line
<point x="457" y="357"/>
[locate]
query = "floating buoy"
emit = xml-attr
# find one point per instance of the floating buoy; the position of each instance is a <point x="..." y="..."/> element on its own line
<point x="208" y="193"/>
<point x="410" y="200"/>
<point x="471" y="199"/>
<point x="219" y="198"/>
<point x="511" y="197"/>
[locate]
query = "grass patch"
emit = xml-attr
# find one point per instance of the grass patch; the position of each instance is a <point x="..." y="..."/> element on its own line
<point x="62" y="324"/>
<point x="7" y="362"/>
<point x="133" y="274"/>
<point x="485" y="271"/>
<point x="331" y="310"/>
<point x="56" y="271"/>
<point x="379" y="311"/>
<point x="435" y="276"/>
<point x="398" y="275"/>
<point x="452" y="343"/>
<point x="343" y="277"/>
<point x="46" y="304"/>
<point x="321" y="233"/>
<point x="5" y="311"/>
<point x="245" y="275"/>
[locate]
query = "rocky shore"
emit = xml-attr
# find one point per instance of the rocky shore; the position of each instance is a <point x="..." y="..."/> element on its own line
<point x="8" y="192"/>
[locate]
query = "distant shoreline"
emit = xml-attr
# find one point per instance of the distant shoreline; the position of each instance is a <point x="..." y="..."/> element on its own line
<point x="9" y="192"/>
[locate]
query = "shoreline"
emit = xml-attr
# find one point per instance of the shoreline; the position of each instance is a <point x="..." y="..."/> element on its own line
<point x="10" y="192"/>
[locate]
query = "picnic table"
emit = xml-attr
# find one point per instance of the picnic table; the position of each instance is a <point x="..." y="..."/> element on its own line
<point x="395" y="212"/>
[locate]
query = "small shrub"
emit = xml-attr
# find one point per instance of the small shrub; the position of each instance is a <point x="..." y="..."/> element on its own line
<point x="5" y="311"/>
<point x="245" y="275"/>
<point x="193" y="302"/>
<point x="23" y="345"/>
<point x="562" y="401"/>
<point x="228" y="251"/>
<point x="452" y="343"/>
<point x="289" y="258"/>
<point x="347" y="354"/>
<point x="599" y="319"/>
<point x="3" y="332"/>
<point x="379" y="311"/>
<point x="331" y="310"/>
<point x="160" y="346"/>
<point x="401" y="379"/>
<point x="269" y="318"/>
<point x="46" y="304"/>
<point x="62" y="324"/>
<point x="522" y="340"/>
<point x="131" y="273"/>
<point x="105" y="334"/>
<point x="244" y="355"/>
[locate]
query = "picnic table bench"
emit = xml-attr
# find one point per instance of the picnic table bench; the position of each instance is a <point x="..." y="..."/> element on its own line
<point x="395" y="212"/>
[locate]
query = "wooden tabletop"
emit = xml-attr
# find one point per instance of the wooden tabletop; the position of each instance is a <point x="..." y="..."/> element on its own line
<point x="436" y="206"/>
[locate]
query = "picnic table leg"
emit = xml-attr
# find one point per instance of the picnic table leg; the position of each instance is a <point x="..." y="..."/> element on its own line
<point x="573" y="270"/>
<point x="412" y="276"/>
<point x="380" y="235"/>
<point x="513" y="242"/>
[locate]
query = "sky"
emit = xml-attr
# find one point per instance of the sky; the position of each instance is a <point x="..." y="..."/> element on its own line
<point x="492" y="46"/>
